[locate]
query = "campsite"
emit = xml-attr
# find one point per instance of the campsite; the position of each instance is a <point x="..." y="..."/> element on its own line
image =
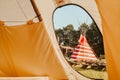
<point x="81" y="45"/>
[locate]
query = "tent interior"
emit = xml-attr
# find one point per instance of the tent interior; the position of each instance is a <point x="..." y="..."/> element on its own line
<point x="28" y="46"/>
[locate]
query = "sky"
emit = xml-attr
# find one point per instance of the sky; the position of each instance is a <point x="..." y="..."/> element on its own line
<point x="70" y="14"/>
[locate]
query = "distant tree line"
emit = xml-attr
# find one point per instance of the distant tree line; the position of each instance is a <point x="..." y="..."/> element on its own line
<point x="68" y="36"/>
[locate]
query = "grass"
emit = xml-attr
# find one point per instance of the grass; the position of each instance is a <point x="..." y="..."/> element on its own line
<point x="92" y="73"/>
<point x="95" y="74"/>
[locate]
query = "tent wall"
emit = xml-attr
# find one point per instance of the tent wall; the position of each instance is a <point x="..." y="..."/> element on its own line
<point x="47" y="8"/>
<point x="110" y="13"/>
<point x="16" y="12"/>
<point x="92" y="9"/>
<point x="24" y="78"/>
<point x="26" y="50"/>
<point x="21" y="10"/>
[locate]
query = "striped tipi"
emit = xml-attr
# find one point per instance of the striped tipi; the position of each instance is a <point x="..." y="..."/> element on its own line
<point x="83" y="51"/>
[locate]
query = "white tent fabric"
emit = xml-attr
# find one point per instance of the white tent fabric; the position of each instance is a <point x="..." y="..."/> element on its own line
<point x="47" y="8"/>
<point x="16" y="12"/>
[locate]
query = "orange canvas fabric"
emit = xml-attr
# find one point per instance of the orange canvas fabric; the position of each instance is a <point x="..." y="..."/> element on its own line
<point x="26" y="50"/>
<point x="110" y="14"/>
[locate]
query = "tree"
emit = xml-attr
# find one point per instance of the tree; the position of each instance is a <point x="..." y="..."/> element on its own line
<point x="83" y="28"/>
<point x="59" y="35"/>
<point x="68" y="36"/>
<point x="69" y="27"/>
<point x="75" y="38"/>
<point x="95" y="39"/>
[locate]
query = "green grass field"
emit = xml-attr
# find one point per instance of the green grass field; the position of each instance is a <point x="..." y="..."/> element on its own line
<point x="92" y="73"/>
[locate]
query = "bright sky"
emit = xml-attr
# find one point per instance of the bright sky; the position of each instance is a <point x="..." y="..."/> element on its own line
<point x="70" y="14"/>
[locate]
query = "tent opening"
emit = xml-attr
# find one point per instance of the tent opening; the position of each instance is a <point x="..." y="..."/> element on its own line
<point x="80" y="41"/>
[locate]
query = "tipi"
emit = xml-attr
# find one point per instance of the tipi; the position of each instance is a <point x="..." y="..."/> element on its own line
<point x="83" y="51"/>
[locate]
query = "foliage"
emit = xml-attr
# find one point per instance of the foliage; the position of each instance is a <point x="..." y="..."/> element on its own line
<point x="69" y="27"/>
<point x="68" y="36"/>
<point x="95" y="39"/>
<point x="83" y="28"/>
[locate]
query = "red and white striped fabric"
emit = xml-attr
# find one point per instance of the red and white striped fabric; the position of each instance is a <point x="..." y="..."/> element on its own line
<point x="83" y="51"/>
